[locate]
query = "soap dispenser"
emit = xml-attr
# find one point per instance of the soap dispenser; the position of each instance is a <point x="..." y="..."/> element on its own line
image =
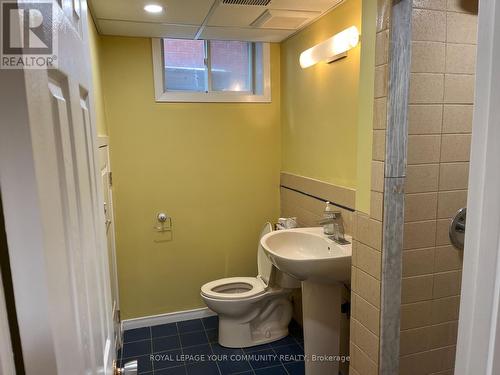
<point x="329" y="218"/>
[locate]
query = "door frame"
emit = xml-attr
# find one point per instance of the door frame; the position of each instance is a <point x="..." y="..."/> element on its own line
<point x="478" y="346"/>
<point x="7" y="365"/>
<point x="103" y="142"/>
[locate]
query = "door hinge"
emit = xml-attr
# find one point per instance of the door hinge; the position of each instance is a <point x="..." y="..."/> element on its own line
<point x="110" y="178"/>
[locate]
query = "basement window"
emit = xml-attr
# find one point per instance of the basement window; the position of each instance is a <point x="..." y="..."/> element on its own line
<point x="211" y="71"/>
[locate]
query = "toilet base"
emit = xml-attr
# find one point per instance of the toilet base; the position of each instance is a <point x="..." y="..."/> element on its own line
<point x="264" y="320"/>
<point x="233" y="334"/>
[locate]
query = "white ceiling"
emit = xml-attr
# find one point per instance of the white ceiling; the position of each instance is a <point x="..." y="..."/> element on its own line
<point x="207" y="19"/>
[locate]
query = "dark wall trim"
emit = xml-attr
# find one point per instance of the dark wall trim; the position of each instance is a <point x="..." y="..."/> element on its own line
<point x="342" y="196"/>
<point x="318" y="198"/>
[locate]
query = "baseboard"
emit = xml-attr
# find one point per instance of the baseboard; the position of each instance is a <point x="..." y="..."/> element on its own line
<point x="177" y="316"/>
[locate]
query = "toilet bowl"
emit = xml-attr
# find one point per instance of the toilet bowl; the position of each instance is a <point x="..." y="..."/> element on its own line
<point x="252" y="310"/>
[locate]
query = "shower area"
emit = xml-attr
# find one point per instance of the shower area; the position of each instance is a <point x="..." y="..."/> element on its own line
<point x="425" y="65"/>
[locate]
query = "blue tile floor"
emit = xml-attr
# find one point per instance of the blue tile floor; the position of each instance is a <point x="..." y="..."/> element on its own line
<point x="191" y="348"/>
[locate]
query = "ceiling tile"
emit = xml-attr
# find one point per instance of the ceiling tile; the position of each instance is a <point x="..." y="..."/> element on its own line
<point x="244" y="15"/>
<point x="311" y="5"/>
<point x="249" y="34"/>
<point x="285" y="19"/>
<point x="235" y="15"/>
<point x="183" y="17"/>
<point x="191" y="12"/>
<point x="124" y="28"/>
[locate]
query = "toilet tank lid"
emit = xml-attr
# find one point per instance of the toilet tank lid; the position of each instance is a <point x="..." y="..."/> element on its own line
<point x="263" y="263"/>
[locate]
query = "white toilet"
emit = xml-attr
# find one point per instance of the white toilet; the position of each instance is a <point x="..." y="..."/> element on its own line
<point x="252" y="310"/>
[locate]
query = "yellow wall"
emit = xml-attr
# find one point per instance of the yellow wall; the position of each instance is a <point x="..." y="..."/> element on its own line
<point x="95" y="59"/>
<point x="319" y="108"/>
<point x="365" y="106"/>
<point x="213" y="167"/>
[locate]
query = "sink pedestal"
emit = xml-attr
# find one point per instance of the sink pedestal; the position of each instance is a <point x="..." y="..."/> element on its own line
<point x="323" y="266"/>
<point x="321" y="304"/>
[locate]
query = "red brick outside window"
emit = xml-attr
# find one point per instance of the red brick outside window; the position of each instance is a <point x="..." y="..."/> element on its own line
<point x="187" y="64"/>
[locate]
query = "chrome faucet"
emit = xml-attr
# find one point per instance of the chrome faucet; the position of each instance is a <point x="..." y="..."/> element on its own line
<point x="336" y="215"/>
<point x="338" y="227"/>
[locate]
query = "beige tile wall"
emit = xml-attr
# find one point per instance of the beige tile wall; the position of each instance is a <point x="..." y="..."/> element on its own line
<point x="365" y="291"/>
<point x="440" y="120"/>
<point x="367" y="243"/>
<point x="309" y="211"/>
<point x="338" y="195"/>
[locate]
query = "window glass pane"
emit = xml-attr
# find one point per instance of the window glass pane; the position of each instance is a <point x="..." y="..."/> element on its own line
<point x="184" y="65"/>
<point x="258" y="69"/>
<point x="231" y="65"/>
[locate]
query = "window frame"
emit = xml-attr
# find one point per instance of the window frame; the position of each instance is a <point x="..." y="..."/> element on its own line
<point x="161" y="95"/>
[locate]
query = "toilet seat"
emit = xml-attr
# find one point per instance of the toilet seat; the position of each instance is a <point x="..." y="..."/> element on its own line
<point x="252" y="310"/>
<point x="234" y="288"/>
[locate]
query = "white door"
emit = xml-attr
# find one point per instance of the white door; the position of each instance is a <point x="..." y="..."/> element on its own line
<point x="50" y="187"/>
<point x="109" y="226"/>
<point x="478" y="346"/>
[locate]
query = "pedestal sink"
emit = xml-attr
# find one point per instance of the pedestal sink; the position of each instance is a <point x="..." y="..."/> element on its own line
<point x="323" y="266"/>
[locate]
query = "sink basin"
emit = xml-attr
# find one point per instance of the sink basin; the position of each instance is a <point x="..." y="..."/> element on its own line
<point x="322" y="265"/>
<point x="308" y="255"/>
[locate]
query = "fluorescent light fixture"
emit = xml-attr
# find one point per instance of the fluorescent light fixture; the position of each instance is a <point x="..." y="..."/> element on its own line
<point x="153" y="8"/>
<point x="332" y="49"/>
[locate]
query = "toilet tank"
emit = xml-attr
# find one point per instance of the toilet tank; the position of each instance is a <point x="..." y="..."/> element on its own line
<point x="267" y="271"/>
<point x="285" y="281"/>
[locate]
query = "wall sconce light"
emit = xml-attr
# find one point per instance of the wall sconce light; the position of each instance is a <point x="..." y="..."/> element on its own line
<point x="332" y="49"/>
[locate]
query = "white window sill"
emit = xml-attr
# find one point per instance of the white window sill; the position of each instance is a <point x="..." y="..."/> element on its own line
<point x="162" y="96"/>
<point x="212" y="97"/>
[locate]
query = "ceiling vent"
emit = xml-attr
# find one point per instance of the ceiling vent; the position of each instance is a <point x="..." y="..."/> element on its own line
<point x="283" y="19"/>
<point x="262" y="3"/>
